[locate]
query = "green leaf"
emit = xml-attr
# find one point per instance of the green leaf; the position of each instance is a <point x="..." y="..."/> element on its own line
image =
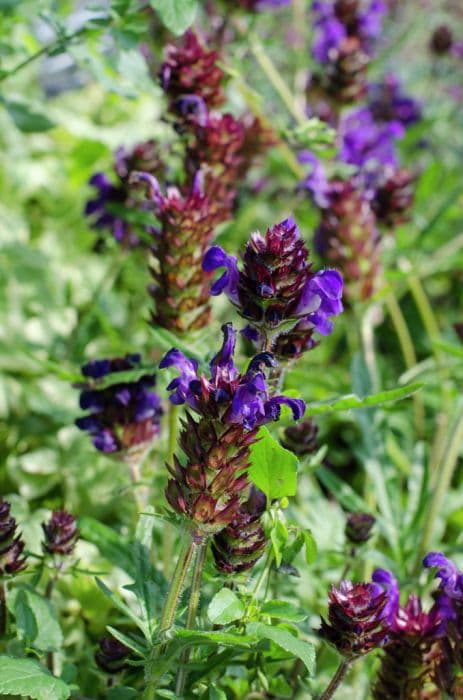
<point x="122" y="693"/>
<point x="110" y="545"/>
<point x="137" y="645"/>
<point x="216" y="694"/>
<point x="225" y="607"/>
<point x="213" y="637"/>
<point x="273" y="468"/>
<point x="26" y="119"/>
<point x="279" y="537"/>
<point x="123" y="608"/>
<point x="36" y="619"/>
<point x="351" y="401"/>
<point x="285" y="640"/>
<point x="177" y="15"/>
<point x="27" y="677"/>
<point x="310" y="547"/>
<point x="168" y="340"/>
<point x="282" y="610"/>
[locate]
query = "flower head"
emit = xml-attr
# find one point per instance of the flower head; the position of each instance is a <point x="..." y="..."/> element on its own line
<point x="393" y="196"/>
<point x="301" y="438"/>
<point x="112" y="655"/>
<point x="388" y="103"/>
<point x="355" y="618"/>
<point x="366" y="143"/>
<point x="276" y="288"/>
<point x="358" y="527"/>
<point x="451" y="578"/>
<point x="116" y="205"/>
<point x="210" y="487"/>
<point x="11" y="543"/>
<point x="61" y="533"/>
<point x="190" y="69"/>
<point x="124" y="416"/>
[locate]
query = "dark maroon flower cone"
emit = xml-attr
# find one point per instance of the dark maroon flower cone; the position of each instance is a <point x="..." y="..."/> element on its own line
<point x="348" y="238"/>
<point x="394" y="197"/>
<point x="355" y="618"/>
<point x="112" y="655"/>
<point x="359" y="527"/>
<point x="301" y="438"/>
<point x="240" y="545"/>
<point x="11" y="545"/>
<point x="412" y="659"/>
<point x="61" y="533"/>
<point x="190" y="69"/>
<point x="441" y="40"/>
<point x="344" y="75"/>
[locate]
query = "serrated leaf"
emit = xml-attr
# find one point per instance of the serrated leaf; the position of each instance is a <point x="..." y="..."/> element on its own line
<point x="282" y="610"/>
<point x="351" y="401"/>
<point x="286" y="641"/>
<point x="176" y="15"/>
<point x="36" y="620"/>
<point x="26" y="119"/>
<point x="273" y="468"/>
<point x="225" y="607"/>
<point x="27" y="677"/>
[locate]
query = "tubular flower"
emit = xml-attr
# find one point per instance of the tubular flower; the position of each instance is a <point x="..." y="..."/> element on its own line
<point x="367" y="144"/>
<point x="239" y="546"/>
<point x="11" y="544"/>
<point x="180" y="286"/>
<point x="355" y="618"/>
<point x="110" y="208"/>
<point x="347" y="236"/>
<point x="413" y="656"/>
<point x="358" y="527"/>
<point x="190" y="69"/>
<point x="112" y="655"/>
<point x="61" y="533"/>
<point x="124" y="417"/>
<point x="276" y="290"/>
<point x="212" y="484"/>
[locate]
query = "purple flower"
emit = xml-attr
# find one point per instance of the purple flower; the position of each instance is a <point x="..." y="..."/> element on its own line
<point x="387" y="581"/>
<point x="61" y="533"/>
<point x="329" y="33"/>
<point x="276" y="289"/>
<point x="370" y="20"/>
<point x="388" y="103"/>
<point x="367" y="144"/>
<point x="239" y="398"/>
<point x="11" y="543"/>
<point x="123" y="415"/>
<point x="451" y="578"/>
<point x="316" y="182"/>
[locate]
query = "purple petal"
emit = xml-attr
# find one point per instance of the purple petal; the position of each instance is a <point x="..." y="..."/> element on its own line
<point x="216" y="257"/>
<point x="297" y="406"/>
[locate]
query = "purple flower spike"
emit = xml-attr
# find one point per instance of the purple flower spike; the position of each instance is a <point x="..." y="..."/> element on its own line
<point x="316" y="182"/>
<point x="276" y="290"/>
<point x="451" y="578"/>
<point x="125" y="416"/>
<point x="228" y="283"/>
<point x="387" y="581"/>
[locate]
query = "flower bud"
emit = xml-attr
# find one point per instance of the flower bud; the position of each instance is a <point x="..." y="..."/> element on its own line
<point x="301" y="438"/>
<point x="112" y="655"/>
<point x="61" y="533"/>
<point x="359" y="527"/>
<point x="11" y="544"/>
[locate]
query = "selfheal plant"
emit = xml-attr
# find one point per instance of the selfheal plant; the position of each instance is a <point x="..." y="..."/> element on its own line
<point x="284" y="302"/>
<point x="117" y="205"/>
<point x="209" y="488"/>
<point x="11" y="544"/>
<point x="413" y="656"/>
<point x="61" y="533"/>
<point x="124" y="417"/>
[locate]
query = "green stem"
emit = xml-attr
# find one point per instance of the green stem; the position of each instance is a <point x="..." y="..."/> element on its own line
<point x="168" y="613"/>
<point x="168" y="536"/>
<point x="337" y="679"/>
<point x="45" y="50"/>
<point x="408" y="352"/>
<point x="446" y="470"/>
<point x="272" y="73"/>
<point x="195" y="595"/>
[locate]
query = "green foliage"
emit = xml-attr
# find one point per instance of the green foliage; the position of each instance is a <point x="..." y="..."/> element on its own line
<point x="36" y="620"/>
<point x="177" y="15"/>
<point x="273" y="468"/>
<point x="27" y="677"/>
<point x="225" y="607"/>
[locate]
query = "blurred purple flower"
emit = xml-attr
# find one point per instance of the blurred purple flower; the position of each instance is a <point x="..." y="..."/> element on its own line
<point x="388" y="103"/>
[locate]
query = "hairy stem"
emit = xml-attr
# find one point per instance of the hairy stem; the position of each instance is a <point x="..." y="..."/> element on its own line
<point x="168" y="613"/>
<point x="337" y="679"/>
<point x="168" y="535"/>
<point x="195" y="595"/>
<point x="446" y="469"/>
